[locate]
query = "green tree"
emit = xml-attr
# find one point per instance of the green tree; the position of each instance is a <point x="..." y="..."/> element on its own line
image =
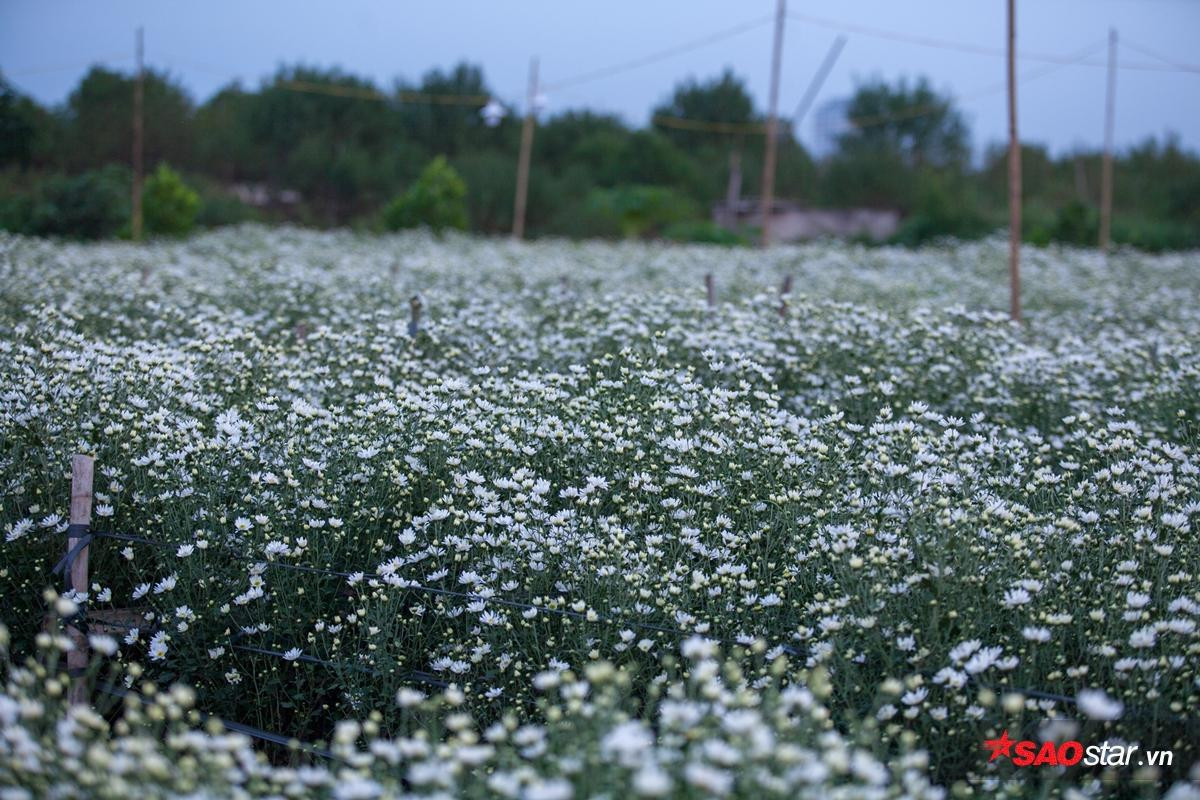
<point x="226" y="147"/>
<point x="169" y="205"/>
<point x="437" y="200"/>
<point x="873" y="178"/>
<point x="650" y="158"/>
<point x="26" y="129"/>
<point x="643" y="210"/>
<point x="906" y="148"/>
<point x="447" y="127"/>
<point x="99" y="114"/>
<point x="331" y="137"/>
<point x="93" y="205"/>
<point x="492" y="178"/>
<point x="581" y="138"/>
<point x="944" y="207"/>
<point x="723" y="99"/>
<point x="913" y="122"/>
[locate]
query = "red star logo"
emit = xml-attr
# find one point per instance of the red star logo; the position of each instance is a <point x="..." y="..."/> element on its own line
<point x="999" y="747"/>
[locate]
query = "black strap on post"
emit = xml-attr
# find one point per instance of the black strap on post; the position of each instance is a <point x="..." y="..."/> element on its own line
<point x="63" y="567"/>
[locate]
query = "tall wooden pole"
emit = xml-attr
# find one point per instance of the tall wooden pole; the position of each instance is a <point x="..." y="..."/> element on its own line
<point x="1106" y="176"/>
<point x="768" y="176"/>
<point x="526" y="151"/>
<point x="1014" y="173"/>
<point x="138" y="95"/>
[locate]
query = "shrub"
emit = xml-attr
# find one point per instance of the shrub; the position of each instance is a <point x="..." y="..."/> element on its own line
<point x="643" y="210"/>
<point x="491" y="176"/>
<point x="15" y="212"/>
<point x="219" y="206"/>
<point x="1076" y="223"/>
<point x="1155" y="235"/>
<point x="702" y="232"/>
<point x="437" y="200"/>
<point x="1037" y="225"/>
<point x="941" y="212"/>
<point x="169" y="205"/>
<point x="582" y="219"/>
<point x="93" y="205"/>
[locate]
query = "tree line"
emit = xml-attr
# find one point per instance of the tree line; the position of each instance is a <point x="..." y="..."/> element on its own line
<point x="311" y="146"/>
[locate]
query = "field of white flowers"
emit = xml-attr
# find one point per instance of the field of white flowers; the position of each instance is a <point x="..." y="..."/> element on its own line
<point x="583" y="535"/>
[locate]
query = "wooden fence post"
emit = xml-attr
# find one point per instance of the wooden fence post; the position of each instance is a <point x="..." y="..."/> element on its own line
<point x="77" y="572"/>
<point x="710" y="288"/>
<point x="785" y="291"/>
<point x="414" y="321"/>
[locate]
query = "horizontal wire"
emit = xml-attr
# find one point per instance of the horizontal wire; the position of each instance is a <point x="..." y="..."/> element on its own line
<point x="1144" y="50"/>
<point x="625" y="66"/>
<point x="124" y="537"/>
<point x="880" y="119"/>
<point x="99" y="622"/>
<point x="237" y="727"/>
<point x="429" y="678"/>
<point x="416" y="676"/>
<point x="977" y="49"/>
<point x="686" y="124"/>
<point x="364" y="93"/>
<point x="920" y="111"/>
<point x="650" y="626"/>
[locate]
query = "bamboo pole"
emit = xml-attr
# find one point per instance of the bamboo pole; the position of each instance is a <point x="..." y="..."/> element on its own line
<point x="1014" y="174"/>
<point x="1106" y="176"/>
<point x="139" y="92"/>
<point x="768" y="176"/>
<point x="523" y="158"/>
<point x="81" y="514"/>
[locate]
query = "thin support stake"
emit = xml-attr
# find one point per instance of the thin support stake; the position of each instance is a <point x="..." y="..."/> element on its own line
<point x="414" y="319"/>
<point x="785" y="292"/>
<point x="81" y="514"/>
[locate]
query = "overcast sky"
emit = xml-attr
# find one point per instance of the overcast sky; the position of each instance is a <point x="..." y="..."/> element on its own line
<point x="46" y="45"/>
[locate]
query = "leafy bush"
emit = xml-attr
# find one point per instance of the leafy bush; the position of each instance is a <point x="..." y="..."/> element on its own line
<point x="93" y="205"/>
<point x="15" y="211"/>
<point x="583" y="219"/>
<point x="437" y="200"/>
<point x="1037" y="225"/>
<point x="640" y="211"/>
<point x="702" y="232"/>
<point x="218" y="208"/>
<point x="169" y="205"/>
<point x="1155" y="235"/>
<point x="1076" y="223"/>
<point x="491" y="176"/>
<point x="218" y="205"/>
<point x="942" y="211"/>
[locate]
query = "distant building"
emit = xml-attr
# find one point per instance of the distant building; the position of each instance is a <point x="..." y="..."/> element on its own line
<point x="792" y="222"/>
<point x="261" y="195"/>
